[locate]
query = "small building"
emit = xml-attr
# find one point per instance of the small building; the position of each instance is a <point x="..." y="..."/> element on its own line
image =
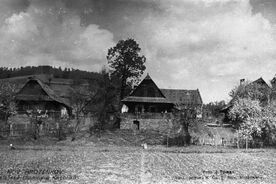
<point x="149" y="107"/>
<point x="265" y="93"/>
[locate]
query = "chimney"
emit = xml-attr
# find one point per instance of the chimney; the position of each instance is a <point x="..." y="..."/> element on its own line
<point x="273" y="82"/>
<point x="242" y="81"/>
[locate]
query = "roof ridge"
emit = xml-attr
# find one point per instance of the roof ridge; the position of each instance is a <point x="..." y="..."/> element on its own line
<point x="179" y="89"/>
<point x="147" y="78"/>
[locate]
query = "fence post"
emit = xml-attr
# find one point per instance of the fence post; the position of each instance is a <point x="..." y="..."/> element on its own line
<point x="11" y="129"/>
<point x="246" y="143"/>
<point x="238" y="143"/>
<point x="167" y="141"/>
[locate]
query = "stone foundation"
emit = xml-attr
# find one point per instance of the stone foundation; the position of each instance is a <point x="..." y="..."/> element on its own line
<point x="157" y="123"/>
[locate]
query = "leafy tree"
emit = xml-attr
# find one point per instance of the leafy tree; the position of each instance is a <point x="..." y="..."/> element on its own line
<point x="126" y="62"/>
<point x="36" y="119"/>
<point x="99" y="97"/>
<point x="8" y="92"/>
<point x="251" y="111"/>
<point x="81" y="96"/>
<point x="108" y="98"/>
<point x="247" y="115"/>
<point x="268" y="134"/>
<point x="213" y="108"/>
<point x="183" y="118"/>
<point x="254" y="121"/>
<point x="187" y="117"/>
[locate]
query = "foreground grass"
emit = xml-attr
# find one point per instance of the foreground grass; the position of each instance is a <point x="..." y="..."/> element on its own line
<point x="90" y="163"/>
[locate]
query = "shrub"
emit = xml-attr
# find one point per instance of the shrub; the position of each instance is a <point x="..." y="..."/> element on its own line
<point x="195" y="140"/>
<point x="181" y="140"/>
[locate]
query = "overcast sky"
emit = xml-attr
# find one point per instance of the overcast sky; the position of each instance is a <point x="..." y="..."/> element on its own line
<point x="189" y="44"/>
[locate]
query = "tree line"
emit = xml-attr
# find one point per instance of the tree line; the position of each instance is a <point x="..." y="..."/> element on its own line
<point x="66" y="73"/>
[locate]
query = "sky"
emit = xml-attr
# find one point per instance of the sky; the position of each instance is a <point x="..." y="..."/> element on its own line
<point x="189" y="44"/>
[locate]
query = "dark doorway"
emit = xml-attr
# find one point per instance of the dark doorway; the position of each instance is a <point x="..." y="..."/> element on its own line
<point x="137" y="123"/>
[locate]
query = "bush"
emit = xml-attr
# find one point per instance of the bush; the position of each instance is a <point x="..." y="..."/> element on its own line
<point x="195" y="140"/>
<point x="61" y="135"/>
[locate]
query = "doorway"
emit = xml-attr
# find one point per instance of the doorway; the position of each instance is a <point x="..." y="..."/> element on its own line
<point x="137" y="124"/>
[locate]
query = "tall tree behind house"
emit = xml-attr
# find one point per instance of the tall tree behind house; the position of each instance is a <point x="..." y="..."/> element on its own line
<point x="126" y="62"/>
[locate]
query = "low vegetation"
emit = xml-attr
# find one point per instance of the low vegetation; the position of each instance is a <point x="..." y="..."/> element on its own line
<point x="101" y="162"/>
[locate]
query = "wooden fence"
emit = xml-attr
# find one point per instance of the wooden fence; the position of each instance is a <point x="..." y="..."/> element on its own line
<point x="147" y="115"/>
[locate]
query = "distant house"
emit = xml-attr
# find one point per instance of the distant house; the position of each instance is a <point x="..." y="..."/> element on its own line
<point x="260" y="85"/>
<point x="147" y="105"/>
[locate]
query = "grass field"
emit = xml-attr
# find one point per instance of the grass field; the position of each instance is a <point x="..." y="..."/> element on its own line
<point x="88" y="162"/>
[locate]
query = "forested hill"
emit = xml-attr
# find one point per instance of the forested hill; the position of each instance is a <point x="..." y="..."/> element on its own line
<point x="67" y="73"/>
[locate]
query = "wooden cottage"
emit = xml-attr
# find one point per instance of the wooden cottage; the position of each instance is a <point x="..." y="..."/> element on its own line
<point x="45" y="92"/>
<point x="147" y="97"/>
<point x="38" y="95"/>
<point x="149" y="107"/>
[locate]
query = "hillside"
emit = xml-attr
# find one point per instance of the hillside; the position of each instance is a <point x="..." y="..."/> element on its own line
<point x="66" y="73"/>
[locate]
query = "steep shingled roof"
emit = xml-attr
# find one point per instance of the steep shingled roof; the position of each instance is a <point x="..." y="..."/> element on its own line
<point x="146" y="80"/>
<point x="179" y="96"/>
<point x="260" y="81"/>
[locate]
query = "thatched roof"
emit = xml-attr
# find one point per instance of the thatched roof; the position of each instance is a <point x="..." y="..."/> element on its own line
<point x="52" y="96"/>
<point x="179" y="96"/>
<point x="58" y="89"/>
<point x="57" y="84"/>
